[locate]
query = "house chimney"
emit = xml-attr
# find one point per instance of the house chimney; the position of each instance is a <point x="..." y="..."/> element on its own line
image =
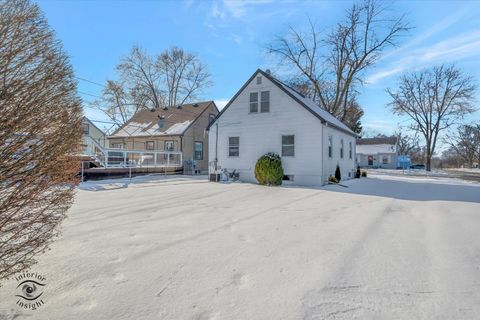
<point x="161" y="122"/>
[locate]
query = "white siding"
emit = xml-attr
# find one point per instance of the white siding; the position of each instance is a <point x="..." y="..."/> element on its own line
<point x="262" y="132"/>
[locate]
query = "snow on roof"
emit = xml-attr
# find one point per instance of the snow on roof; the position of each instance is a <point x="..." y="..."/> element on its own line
<point x="137" y="129"/>
<point x="178" y="128"/>
<point x="375" y="148"/>
<point x="321" y="112"/>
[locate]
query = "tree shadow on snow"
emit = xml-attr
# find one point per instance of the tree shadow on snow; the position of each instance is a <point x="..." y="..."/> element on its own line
<point x="411" y="190"/>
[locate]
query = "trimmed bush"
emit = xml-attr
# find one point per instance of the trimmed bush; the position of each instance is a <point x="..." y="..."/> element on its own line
<point x="332" y="179"/>
<point x="268" y="170"/>
<point x="364" y="174"/>
<point x="338" y="174"/>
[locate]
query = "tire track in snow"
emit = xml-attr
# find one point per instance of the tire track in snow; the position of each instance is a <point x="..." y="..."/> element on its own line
<point x="377" y="278"/>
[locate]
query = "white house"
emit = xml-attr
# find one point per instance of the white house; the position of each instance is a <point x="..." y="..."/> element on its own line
<point x="377" y="152"/>
<point x="265" y="116"/>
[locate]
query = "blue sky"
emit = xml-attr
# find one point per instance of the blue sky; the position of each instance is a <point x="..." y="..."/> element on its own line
<point x="229" y="36"/>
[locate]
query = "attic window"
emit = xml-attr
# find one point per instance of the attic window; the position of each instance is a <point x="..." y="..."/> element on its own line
<point x="259" y="80"/>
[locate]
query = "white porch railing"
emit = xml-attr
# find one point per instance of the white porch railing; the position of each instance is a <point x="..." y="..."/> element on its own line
<point x="121" y="158"/>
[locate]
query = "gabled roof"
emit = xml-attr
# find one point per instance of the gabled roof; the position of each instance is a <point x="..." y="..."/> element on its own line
<point x="177" y="120"/>
<point x="85" y="119"/>
<point x="307" y="103"/>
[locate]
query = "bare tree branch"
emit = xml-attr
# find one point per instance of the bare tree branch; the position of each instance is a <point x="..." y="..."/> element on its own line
<point x="39" y="134"/>
<point x="334" y="64"/>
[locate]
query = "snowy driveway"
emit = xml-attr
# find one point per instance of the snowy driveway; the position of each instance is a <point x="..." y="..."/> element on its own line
<point x="384" y="248"/>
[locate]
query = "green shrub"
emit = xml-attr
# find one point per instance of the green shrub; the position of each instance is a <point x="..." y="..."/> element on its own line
<point x="332" y="179"/>
<point x="364" y="174"/>
<point x="338" y="174"/>
<point x="268" y="170"/>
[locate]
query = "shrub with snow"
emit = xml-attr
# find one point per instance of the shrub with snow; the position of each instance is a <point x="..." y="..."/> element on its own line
<point x="332" y="179"/>
<point x="268" y="170"/>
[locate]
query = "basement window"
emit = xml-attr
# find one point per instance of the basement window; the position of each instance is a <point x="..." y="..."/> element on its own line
<point x="288" y="177"/>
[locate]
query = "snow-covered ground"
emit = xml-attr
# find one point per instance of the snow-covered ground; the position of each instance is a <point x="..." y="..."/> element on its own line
<point x="386" y="247"/>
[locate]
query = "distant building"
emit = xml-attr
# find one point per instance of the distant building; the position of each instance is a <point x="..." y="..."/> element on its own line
<point x="378" y="153"/>
<point x="179" y="129"/>
<point x="91" y="131"/>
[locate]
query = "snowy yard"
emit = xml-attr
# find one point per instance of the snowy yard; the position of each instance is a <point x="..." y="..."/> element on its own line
<point x="386" y="247"/>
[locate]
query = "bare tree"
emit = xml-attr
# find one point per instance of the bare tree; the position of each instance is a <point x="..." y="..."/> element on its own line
<point x="406" y="143"/>
<point x="40" y="132"/>
<point x="118" y="105"/>
<point x="451" y="159"/>
<point x="184" y="75"/>
<point x="169" y="79"/>
<point x="433" y="99"/>
<point x="465" y="141"/>
<point x="335" y="64"/>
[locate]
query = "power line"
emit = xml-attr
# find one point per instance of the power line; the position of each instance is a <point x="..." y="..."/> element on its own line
<point x="89" y="94"/>
<point x="90" y="81"/>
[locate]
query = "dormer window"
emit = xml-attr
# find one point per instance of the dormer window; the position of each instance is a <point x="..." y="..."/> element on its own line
<point x="259" y="80"/>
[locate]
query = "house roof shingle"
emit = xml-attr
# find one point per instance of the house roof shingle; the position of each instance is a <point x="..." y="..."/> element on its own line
<point x="176" y="121"/>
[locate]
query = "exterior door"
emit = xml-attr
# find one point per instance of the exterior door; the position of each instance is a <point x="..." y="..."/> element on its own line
<point x="370" y="160"/>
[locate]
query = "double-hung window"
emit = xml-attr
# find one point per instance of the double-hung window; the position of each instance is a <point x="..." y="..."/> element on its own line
<point x="253" y="102"/>
<point x="117" y="145"/>
<point x="150" y="145"/>
<point x="341" y="148"/>
<point x="198" y="150"/>
<point x="330" y="143"/>
<point x="288" y="146"/>
<point x="234" y="146"/>
<point x="265" y="101"/>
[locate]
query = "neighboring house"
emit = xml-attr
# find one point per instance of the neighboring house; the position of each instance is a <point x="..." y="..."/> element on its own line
<point x="377" y="153"/>
<point x="91" y="131"/>
<point x="175" y="129"/>
<point x="265" y="116"/>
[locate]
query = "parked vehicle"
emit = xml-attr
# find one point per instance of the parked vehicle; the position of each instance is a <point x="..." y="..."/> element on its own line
<point x="418" y="166"/>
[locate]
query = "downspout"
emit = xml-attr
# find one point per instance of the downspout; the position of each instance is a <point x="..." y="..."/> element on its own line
<point x="323" y="158"/>
<point x="216" y="145"/>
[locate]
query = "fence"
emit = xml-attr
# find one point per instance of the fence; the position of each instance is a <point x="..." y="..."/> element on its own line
<point x="120" y="158"/>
